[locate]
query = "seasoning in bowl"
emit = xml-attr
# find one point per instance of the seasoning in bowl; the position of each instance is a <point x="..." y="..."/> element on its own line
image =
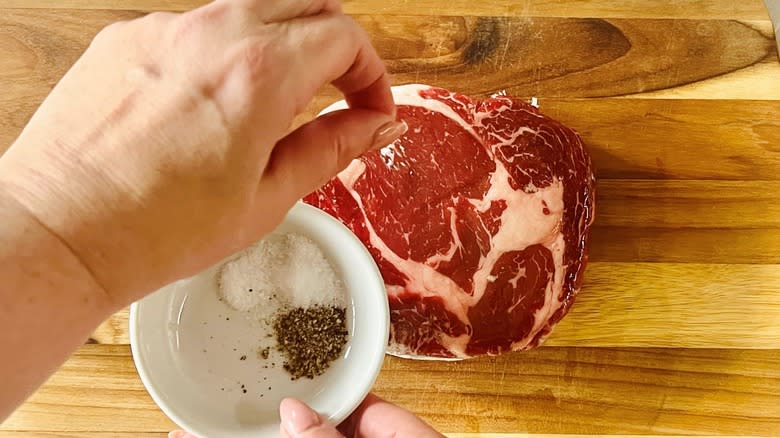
<point x="311" y="338"/>
<point x="286" y="283"/>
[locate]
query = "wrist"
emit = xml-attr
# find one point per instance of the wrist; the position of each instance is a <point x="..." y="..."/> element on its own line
<point x="32" y="244"/>
<point x="49" y="303"/>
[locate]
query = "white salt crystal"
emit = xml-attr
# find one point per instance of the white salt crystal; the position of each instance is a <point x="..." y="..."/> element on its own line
<point x="280" y="270"/>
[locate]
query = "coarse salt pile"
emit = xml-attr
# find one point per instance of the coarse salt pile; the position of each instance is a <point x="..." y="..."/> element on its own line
<point x="281" y="271"/>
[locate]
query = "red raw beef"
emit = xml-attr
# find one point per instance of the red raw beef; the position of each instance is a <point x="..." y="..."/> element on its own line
<point x="478" y="219"/>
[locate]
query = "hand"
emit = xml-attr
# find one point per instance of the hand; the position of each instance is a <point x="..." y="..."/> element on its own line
<point x="167" y="147"/>
<point x="374" y="418"/>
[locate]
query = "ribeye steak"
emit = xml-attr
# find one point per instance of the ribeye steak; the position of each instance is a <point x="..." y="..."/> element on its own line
<point x="478" y="219"/>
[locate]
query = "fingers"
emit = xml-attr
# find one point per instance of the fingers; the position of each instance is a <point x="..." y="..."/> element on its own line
<point x="376" y="417"/>
<point x="309" y="156"/>
<point x="300" y="421"/>
<point x="317" y="45"/>
<point x="335" y="47"/>
<point x="277" y="11"/>
<point x="234" y="20"/>
<point x="374" y="96"/>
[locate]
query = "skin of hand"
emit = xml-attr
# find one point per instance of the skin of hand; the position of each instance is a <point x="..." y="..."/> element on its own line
<point x="165" y="148"/>
<point x="374" y="418"/>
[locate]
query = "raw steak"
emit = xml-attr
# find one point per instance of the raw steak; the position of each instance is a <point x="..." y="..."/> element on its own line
<point x="478" y="219"/>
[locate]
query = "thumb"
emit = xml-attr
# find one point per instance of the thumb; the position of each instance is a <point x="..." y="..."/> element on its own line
<point x="311" y="155"/>
<point x="301" y="421"/>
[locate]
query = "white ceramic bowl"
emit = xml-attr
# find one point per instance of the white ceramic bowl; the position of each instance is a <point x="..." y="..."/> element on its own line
<point x="188" y="346"/>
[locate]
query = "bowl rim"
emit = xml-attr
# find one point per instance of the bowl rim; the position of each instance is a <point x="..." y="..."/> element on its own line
<point x="353" y="398"/>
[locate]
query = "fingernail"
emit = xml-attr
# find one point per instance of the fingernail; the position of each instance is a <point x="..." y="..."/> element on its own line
<point x="388" y="133"/>
<point x="297" y="417"/>
<point x="178" y="434"/>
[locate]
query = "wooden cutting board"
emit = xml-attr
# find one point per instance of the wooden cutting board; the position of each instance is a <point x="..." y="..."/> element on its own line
<point x="677" y="328"/>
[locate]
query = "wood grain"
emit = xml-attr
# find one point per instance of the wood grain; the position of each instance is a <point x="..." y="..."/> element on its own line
<point x="543" y="57"/>
<point x="683" y="245"/>
<point x="550" y="57"/>
<point x="472" y="55"/>
<point x="691" y="204"/>
<point x="752" y="83"/>
<point x="675" y="305"/>
<point x="667" y="138"/>
<point x="687" y="305"/>
<point x="37" y="47"/>
<point x="594" y="391"/>
<point x="84" y="395"/>
<point x="687" y="9"/>
<point x="550" y="390"/>
<point x="518" y="54"/>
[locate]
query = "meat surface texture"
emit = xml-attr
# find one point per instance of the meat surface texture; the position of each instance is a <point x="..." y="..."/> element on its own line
<point x="478" y="218"/>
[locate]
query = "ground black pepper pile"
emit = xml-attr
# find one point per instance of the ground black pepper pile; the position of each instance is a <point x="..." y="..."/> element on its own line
<point x="311" y="338"/>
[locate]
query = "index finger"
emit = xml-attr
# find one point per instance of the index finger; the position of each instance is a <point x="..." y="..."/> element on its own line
<point x="283" y="10"/>
<point x="332" y="48"/>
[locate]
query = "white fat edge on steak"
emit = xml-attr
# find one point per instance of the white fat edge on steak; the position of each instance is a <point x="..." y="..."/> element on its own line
<point x="522" y="218"/>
